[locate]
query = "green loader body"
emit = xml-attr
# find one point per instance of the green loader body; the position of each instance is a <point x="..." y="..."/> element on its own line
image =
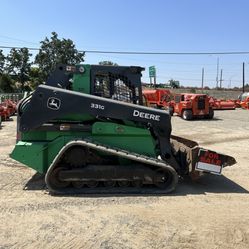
<point x="87" y="126"/>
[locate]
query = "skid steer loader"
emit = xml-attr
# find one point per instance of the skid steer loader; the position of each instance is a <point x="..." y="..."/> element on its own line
<point x="87" y="130"/>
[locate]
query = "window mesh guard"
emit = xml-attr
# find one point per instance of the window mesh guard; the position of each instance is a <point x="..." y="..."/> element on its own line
<point x="116" y="87"/>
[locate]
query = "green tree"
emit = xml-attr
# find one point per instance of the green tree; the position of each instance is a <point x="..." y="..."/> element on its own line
<point x="192" y="90"/>
<point x="6" y="84"/>
<point x="56" y="51"/>
<point x="18" y="65"/>
<point x="108" y="63"/>
<point x="246" y="87"/>
<point x="174" y="83"/>
<point x="2" y="61"/>
<point x="34" y="77"/>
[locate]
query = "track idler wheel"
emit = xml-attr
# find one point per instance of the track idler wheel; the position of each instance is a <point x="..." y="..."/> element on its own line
<point x="55" y="180"/>
<point x="167" y="179"/>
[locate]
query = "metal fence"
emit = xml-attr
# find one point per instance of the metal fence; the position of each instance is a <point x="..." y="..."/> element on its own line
<point x="13" y="96"/>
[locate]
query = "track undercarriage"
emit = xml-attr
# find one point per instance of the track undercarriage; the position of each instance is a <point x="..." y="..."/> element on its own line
<point x="82" y="165"/>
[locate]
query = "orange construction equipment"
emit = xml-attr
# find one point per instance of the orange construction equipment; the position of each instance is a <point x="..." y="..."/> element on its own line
<point x="221" y="104"/>
<point x="158" y="98"/>
<point x="7" y="109"/>
<point x="189" y="106"/>
<point x="244" y="100"/>
<point x="4" y="112"/>
<point x="244" y="103"/>
<point x="11" y="105"/>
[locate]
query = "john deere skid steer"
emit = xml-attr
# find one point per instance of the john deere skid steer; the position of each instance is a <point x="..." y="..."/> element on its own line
<point x="87" y="130"/>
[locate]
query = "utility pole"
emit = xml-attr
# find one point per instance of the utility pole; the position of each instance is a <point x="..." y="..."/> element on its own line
<point x="152" y="74"/>
<point x="155" y="81"/>
<point x="217" y="76"/>
<point x="202" y="79"/>
<point x="221" y="79"/>
<point x="243" y="78"/>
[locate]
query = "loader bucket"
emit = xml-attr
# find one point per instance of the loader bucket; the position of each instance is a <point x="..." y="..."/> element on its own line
<point x="195" y="161"/>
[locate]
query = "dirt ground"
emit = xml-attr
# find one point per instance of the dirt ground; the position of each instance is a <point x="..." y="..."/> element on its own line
<point x="211" y="213"/>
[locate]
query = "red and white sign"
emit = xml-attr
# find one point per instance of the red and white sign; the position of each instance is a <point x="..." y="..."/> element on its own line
<point x="209" y="161"/>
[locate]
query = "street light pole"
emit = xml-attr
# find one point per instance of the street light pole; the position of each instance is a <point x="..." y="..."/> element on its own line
<point x="230" y="81"/>
<point x="202" y="79"/>
<point x="221" y="78"/>
<point x="217" y="76"/>
<point x="243" y="78"/>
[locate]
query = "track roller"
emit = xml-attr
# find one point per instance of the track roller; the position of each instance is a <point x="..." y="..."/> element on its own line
<point x="109" y="184"/>
<point x="92" y="184"/>
<point x="123" y="184"/>
<point x="78" y="184"/>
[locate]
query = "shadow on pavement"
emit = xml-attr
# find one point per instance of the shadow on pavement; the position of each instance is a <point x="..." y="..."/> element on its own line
<point x="209" y="184"/>
<point x="36" y="182"/>
<point x="206" y="120"/>
<point x="206" y="184"/>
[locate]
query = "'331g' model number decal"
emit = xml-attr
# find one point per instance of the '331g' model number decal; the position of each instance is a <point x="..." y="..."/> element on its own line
<point x="97" y="106"/>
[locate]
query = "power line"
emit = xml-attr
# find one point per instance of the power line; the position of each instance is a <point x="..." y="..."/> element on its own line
<point x="16" y="39"/>
<point x="144" y="53"/>
<point x="166" y="53"/>
<point x="10" y="47"/>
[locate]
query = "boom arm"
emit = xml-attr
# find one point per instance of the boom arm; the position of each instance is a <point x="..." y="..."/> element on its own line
<point x="48" y="103"/>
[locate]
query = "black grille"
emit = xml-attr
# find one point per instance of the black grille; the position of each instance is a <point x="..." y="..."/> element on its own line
<point x="117" y="82"/>
<point x="201" y="103"/>
<point x="114" y="86"/>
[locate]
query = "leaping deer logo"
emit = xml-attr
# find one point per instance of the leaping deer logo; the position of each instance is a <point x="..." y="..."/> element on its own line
<point x="54" y="103"/>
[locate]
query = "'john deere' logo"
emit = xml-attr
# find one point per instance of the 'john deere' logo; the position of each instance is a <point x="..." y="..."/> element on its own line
<point x="54" y="103"/>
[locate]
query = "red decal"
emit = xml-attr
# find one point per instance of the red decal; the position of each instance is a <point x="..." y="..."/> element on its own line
<point x="210" y="158"/>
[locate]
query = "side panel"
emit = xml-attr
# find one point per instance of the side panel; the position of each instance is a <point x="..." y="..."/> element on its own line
<point x="39" y="155"/>
<point x="124" y="137"/>
<point x="32" y="154"/>
<point x="81" y="81"/>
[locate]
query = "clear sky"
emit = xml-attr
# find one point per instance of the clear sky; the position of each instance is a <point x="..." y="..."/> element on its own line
<point x="140" y="25"/>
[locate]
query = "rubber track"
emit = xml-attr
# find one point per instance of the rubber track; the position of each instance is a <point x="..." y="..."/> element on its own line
<point x="116" y="152"/>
